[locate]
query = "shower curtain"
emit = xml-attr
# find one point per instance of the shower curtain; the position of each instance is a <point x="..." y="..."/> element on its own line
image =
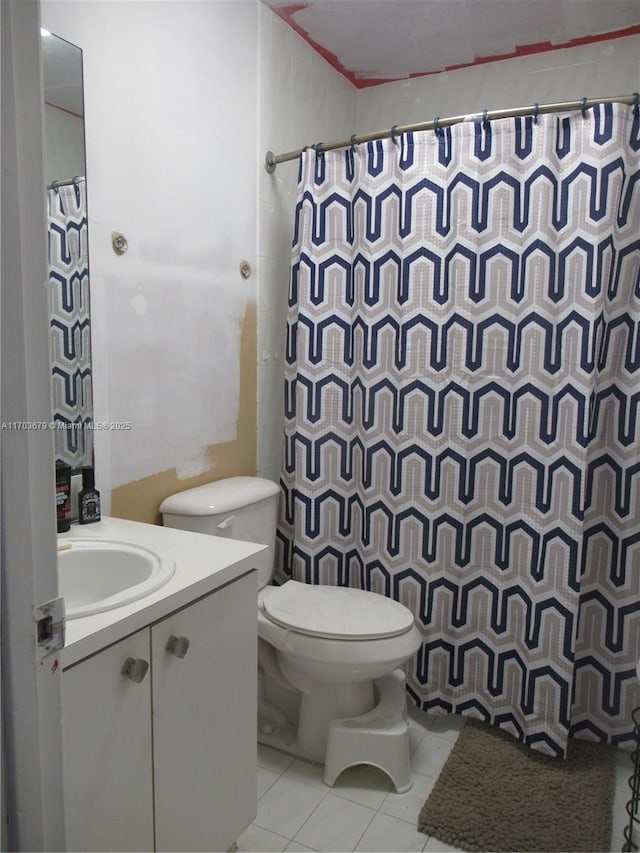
<point x="70" y="323"/>
<point x="462" y="425"/>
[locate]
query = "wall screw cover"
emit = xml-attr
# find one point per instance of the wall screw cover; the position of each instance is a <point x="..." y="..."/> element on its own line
<point x="245" y="269"/>
<point x="119" y="243"/>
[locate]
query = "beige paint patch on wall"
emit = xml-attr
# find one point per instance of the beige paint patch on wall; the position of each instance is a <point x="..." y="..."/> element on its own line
<point x="140" y="500"/>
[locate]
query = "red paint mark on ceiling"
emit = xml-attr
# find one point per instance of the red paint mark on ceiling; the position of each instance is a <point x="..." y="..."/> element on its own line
<point x="543" y="47"/>
<point x="287" y="13"/>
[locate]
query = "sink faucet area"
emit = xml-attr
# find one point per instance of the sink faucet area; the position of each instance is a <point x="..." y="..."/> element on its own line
<point x="95" y="575"/>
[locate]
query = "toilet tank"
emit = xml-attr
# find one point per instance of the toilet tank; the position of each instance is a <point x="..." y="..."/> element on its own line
<point x="244" y="508"/>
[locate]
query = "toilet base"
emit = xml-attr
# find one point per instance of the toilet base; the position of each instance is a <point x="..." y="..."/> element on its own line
<point x="319" y="704"/>
<point x="379" y="737"/>
<point x="284" y="738"/>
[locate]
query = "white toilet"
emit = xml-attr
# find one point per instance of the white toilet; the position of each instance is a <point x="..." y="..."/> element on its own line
<point x="330" y="685"/>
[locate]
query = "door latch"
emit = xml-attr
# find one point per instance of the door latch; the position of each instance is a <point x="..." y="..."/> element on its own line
<point x="50" y="627"/>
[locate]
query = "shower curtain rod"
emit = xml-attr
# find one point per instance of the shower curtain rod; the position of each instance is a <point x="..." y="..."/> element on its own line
<point x="54" y="184"/>
<point x="271" y="160"/>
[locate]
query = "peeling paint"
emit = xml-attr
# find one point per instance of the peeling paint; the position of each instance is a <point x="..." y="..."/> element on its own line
<point x="288" y="13"/>
<point x="193" y="467"/>
<point x="542" y="47"/>
<point x="139" y="498"/>
<point x="361" y="80"/>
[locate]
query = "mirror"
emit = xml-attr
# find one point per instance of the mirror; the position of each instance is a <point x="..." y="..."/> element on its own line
<point x="68" y="284"/>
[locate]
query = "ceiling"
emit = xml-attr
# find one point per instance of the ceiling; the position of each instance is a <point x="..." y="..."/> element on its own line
<point x="375" y="41"/>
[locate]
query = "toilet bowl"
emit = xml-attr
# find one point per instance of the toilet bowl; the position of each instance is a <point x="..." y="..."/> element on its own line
<point x="331" y="644"/>
<point x="325" y="654"/>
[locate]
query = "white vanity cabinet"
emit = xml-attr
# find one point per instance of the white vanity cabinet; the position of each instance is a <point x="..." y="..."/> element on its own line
<point x="205" y="720"/>
<point x="107" y="751"/>
<point x="167" y="762"/>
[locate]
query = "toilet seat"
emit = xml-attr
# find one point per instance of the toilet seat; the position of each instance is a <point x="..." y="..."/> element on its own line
<point x="336" y="613"/>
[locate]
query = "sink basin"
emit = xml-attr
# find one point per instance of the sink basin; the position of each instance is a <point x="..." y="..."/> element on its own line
<point x="99" y="574"/>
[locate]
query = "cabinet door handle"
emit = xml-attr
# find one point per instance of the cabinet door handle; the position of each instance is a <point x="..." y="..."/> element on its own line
<point x="135" y="669"/>
<point x="177" y="646"/>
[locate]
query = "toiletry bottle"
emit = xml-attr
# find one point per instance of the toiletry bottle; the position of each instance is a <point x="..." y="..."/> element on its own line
<point x="88" y="498"/>
<point x="63" y="496"/>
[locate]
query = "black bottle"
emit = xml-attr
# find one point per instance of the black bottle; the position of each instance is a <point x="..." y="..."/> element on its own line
<point x="88" y="499"/>
<point x="63" y="496"/>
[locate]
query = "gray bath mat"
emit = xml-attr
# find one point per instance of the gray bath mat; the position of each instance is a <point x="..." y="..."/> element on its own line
<point x="495" y="794"/>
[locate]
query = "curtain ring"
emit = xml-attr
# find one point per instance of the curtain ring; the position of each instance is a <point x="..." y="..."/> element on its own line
<point x="317" y="147"/>
<point x="55" y="185"/>
<point x="353" y="143"/>
<point x="536" y="107"/>
<point x="485" y="122"/>
<point x="436" y="126"/>
<point x="393" y="134"/>
<point x="636" y="103"/>
<point x="583" y="108"/>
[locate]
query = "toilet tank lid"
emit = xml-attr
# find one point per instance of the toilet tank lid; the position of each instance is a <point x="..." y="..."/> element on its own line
<point x="222" y="496"/>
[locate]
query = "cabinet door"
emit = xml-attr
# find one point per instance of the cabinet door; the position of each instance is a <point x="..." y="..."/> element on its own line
<point x="204" y="712"/>
<point x="106" y="729"/>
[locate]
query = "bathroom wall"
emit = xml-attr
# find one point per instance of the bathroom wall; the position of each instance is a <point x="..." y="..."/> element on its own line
<point x="171" y="130"/>
<point x="180" y="351"/>
<point x="594" y="70"/>
<point x="185" y="350"/>
<point x="302" y="100"/>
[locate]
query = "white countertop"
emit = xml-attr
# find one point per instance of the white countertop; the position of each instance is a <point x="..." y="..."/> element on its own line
<point x="203" y="564"/>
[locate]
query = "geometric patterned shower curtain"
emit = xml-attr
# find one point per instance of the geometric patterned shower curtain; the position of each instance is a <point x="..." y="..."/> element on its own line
<point x="462" y="425"/>
<point x="70" y="323"/>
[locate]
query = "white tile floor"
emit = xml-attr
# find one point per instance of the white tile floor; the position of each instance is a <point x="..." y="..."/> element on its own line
<point x="297" y="811"/>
